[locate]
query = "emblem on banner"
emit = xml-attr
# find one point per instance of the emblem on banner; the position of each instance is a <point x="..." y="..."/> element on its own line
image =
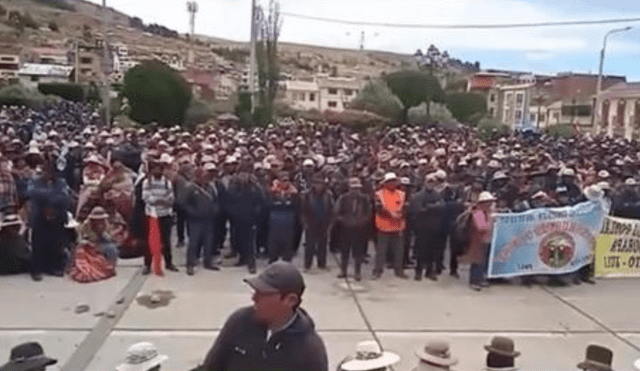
<point x="557" y="249"/>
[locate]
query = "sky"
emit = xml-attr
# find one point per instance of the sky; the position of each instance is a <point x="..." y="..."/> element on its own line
<point x="545" y="50"/>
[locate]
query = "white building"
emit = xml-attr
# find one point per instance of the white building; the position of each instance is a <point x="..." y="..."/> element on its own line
<point x="302" y="95"/>
<point x="619" y="111"/>
<point x="513" y="104"/>
<point x="32" y="74"/>
<point x="337" y="92"/>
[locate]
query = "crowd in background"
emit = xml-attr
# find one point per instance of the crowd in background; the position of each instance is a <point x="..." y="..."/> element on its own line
<point x="93" y="191"/>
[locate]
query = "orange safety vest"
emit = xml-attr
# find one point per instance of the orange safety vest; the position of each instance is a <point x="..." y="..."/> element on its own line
<point x="392" y="201"/>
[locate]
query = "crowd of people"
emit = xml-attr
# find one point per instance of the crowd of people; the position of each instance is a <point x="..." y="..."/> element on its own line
<point x="275" y="333"/>
<point x="414" y="191"/>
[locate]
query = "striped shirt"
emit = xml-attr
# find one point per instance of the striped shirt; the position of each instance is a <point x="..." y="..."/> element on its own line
<point x="157" y="195"/>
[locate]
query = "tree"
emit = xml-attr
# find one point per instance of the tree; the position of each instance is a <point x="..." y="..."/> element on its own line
<point x="72" y="92"/>
<point x="3" y="11"/>
<point x="136" y="23"/>
<point x="28" y="21"/>
<point x="267" y="58"/>
<point x="156" y="93"/>
<point x="53" y="26"/>
<point x="414" y="88"/>
<point x="376" y="97"/>
<point x="466" y="107"/>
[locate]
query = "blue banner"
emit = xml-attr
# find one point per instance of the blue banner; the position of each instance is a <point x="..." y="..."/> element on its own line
<point x="545" y="241"/>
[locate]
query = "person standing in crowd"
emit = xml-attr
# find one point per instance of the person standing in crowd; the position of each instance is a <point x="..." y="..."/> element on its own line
<point x="182" y="180"/>
<point x="273" y="334"/>
<point x="316" y="213"/>
<point x="49" y="202"/>
<point x="427" y="211"/>
<point x="390" y="224"/>
<point x="480" y="240"/>
<point x="158" y="196"/>
<point x="353" y="212"/>
<point x="283" y="206"/>
<point x="200" y="208"/>
<point x="244" y="203"/>
<point x="8" y="190"/>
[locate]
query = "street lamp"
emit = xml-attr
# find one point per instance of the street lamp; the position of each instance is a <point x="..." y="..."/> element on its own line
<point x="599" y="85"/>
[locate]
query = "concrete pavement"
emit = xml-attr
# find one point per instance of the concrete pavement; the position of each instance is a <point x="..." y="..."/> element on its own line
<point x="551" y="326"/>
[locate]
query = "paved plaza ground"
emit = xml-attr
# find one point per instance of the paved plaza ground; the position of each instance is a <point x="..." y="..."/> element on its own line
<point x="551" y="326"/>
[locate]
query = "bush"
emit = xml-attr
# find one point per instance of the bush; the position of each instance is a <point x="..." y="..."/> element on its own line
<point x="356" y="120"/>
<point x="18" y="95"/>
<point x="438" y="114"/>
<point x="156" y="93"/>
<point x="376" y="97"/>
<point x="53" y="26"/>
<point x="560" y="131"/>
<point x="29" y="22"/>
<point x="3" y="11"/>
<point x="72" y="92"/>
<point x="490" y="129"/>
<point x="198" y="112"/>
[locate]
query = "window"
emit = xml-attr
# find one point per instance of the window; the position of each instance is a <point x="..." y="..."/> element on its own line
<point x="518" y="115"/>
<point x="556" y="116"/>
<point x="85" y="71"/>
<point x="491" y="112"/>
<point x="333" y="91"/>
<point x="312" y="97"/>
<point x="532" y="117"/>
<point x="302" y="97"/>
<point x="542" y="117"/>
<point x="7" y="59"/>
<point x="35" y="78"/>
<point x="519" y="99"/>
<point x="492" y="98"/>
<point x="348" y="92"/>
<point x="86" y="60"/>
<point x="508" y="97"/>
<point x="333" y="104"/>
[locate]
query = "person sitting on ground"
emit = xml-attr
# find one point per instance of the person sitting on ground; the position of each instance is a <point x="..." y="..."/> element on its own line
<point x="435" y="356"/>
<point x="142" y="357"/>
<point x="368" y="357"/>
<point x="95" y="230"/>
<point x="28" y="357"/>
<point x="96" y="255"/>
<point x="15" y="253"/>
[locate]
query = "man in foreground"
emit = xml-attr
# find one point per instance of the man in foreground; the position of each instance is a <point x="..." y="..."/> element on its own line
<point x="274" y="333"/>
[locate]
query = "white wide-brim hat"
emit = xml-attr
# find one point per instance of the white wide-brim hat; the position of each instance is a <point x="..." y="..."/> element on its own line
<point x="144" y="366"/>
<point x="370" y="357"/>
<point x="142" y="357"/>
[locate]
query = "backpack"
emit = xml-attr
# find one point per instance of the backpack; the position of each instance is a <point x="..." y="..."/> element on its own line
<point x="462" y="227"/>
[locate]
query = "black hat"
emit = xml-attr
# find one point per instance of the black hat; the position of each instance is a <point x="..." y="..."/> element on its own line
<point x="27" y="357"/>
<point x="280" y="277"/>
<point x="597" y="358"/>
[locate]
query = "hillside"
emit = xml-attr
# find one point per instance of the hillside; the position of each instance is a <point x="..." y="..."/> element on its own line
<point x="82" y="20"/>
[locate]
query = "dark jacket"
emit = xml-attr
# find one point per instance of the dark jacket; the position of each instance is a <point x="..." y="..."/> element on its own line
<point x="427" y="211"/>
<point x="242" y="345"/>
<point x="317" y="218"/>
<point x="199" y="203"/>
<point x="354" y="209"/>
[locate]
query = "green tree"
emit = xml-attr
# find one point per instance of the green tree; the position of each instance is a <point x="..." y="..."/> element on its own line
<point x="413" y="88"/>
<point x="268" y="63"/>
<point x="376" y="97"/>
<point x="198" y="112"/>
<point x="53" y="26"/>
<point x="466" y="107"/>
<point x="72" y="92"/>
<point x="490" y="129"/>
<point x="156" y="93"/>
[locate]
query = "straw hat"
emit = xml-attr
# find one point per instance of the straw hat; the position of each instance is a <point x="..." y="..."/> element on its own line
<point x="486" y="197"/>
<point x="142" y="357"/>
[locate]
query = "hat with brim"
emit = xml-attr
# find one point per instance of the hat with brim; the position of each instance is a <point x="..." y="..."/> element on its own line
<point x="370" y="357"/>
<point x="142" y="357"/>
<point x="437" y="353"/>
<point x="98" y="213"/>
<point x="355" y="183"/>
<point x="486" y="197"/>
<point x="389" y="177"/>
<point x="503" y="346"/>
<point x="11" y="220"/>
<point x="27" y="357"/>
<point x="598" y="358"/>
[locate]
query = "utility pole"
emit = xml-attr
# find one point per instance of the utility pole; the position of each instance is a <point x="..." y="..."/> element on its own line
<point x="77" y="61"/>
<point x="252" y="57"/>
<point x="192" y="8"/>
<point x="596" y="109"/>
<point x="105" y="61"/>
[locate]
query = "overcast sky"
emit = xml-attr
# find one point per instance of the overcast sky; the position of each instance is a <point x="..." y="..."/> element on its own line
<point x="540" y="50"/>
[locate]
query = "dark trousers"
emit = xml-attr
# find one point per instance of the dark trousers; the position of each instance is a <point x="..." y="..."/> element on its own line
<point x="389" y="242"/>
<point x="262" y="235"/>
<point x="47" y="252"/>
<point x="201" y="236"/>
<point x="245" y="241"/>
<point x="281" y="238"/>
<point x="166" y="223"/>
<point x="455" y="249"/>
<point x="181" y="223"/>
<point x="297" y="236"/>
<point x="221" y="230"/>
<point x="316" y="245"/>
<point x="353" y="242"/>
<point x="429" y="245"/>
<point x="477" y="272"/>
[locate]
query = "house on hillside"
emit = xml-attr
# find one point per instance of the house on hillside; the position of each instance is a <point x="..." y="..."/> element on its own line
<point x="32" y="74"/>
<point x="302" y="95"/>
<point x="337" y="92"/>
<point x="9" y="62"/>
<point x="619" y="111"/>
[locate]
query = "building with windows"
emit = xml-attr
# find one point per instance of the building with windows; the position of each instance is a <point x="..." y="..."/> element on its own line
<point x="32" y="74"/>
<point x="337" y="92"/>
<point x="302" y="95"/>
<point x="619" y="111"/>
<point x="9" y="62"/>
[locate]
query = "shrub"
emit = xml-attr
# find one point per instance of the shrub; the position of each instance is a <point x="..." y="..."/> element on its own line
<point x="58" y="4"/>
<point x="72" y="92"/>
<point x="560" y="130"/>
<point x="53" y="26"/>
<point x="490" y="129"/>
